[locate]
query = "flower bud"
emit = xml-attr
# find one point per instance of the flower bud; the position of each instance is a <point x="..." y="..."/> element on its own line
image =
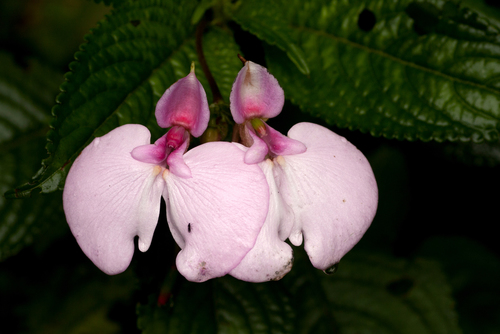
<point x="255" y="94"/>
<point x="184" y="104"/>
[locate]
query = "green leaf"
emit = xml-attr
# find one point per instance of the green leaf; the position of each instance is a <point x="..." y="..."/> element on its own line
<point x="114" y="3"/>
<point x="25" y="99"/>
<point x="243" y="307"/>
<point x="188" y="310"/>
<point x="200" y="10"/>
<point x="401" y="69"/>
<point x="370" y="293"/>
<point x="376" y="294"/>
<point x="266" y="23"/>
<point x="224" y="305"/>
<point x="473" y="272"/>
<point x="128" y="62"/>
<point x="62" y="292"/>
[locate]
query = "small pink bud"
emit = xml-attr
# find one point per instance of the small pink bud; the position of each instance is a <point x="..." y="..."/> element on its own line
<point x="255" y="94"/>
<point x="184" y="104"/>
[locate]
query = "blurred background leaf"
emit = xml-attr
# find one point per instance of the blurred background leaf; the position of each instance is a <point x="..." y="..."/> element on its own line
<point x="400" y="69"/>
<point x="370" y="293"/>
<point x="61" y="291"/>
<point x="26" y="96"/>
<point x="474" y="272"/>
<point x="34" y="28"/>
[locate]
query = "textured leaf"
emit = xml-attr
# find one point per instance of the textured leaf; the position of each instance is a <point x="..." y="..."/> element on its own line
<point x="26" y="96"/>
<point x="401" y="69"/>
<point x="372" y="293"/>
<point x="114" y="3"/>
<point x="129" y="60"/>
<point x="224" y="305"/>
<point x="263" y="22"/>
<point x="474" y="273"/>
<point x="61" y="292"/>
<point x="369" y="293"/>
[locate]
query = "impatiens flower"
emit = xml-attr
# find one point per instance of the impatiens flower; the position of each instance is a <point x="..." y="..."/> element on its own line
<point x="325" y="181"/>
<point x="216" y="204"/>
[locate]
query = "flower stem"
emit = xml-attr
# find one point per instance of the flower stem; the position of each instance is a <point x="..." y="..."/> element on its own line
<point x="243" y="60"/>
<point x="217" y="97"/>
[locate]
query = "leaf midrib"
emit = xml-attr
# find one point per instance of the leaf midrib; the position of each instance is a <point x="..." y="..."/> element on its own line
<point x="386" y="55"/>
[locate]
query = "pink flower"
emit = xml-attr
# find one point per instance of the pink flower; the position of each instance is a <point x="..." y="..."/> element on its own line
<point x="322" y="188"/>
<point x="216" y="204"/>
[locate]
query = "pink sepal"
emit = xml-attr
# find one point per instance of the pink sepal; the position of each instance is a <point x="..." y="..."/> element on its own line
<point x="110" y="197"/>
<point x="279" y="144"/>
<point x="331" y="190"/>
<point x="215" y="216"/>
<point x="184" y="104"/>
<point x="175" y="161"/>
<point x="151" y="153"/>
<point x="271" y="258"/>
<point x="255" y="94"/>
<point x="258" y="151"/>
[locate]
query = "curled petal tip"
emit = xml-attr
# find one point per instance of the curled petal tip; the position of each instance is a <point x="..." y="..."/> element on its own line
<point x="257" y="152"/>
<point x="282" y="145"/>
<point x="143" y="246"/>
<point x="150" y="153"/>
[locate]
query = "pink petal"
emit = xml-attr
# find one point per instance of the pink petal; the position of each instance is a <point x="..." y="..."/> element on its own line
<point x="282" y="145"/>
<point x="271" y="258"/>
<point x="255" y="94"/>
<point x="184" y="104"/>
<point x="110" y="197"/>
<point x="331" y="190"/>
<point x="175" y="161"/>
<point x="215" y="216"/>
<point x="258" y="151"/>
<point x="151" y="153"/>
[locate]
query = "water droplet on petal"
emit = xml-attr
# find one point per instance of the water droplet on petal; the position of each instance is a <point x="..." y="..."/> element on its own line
<point x="331" y="270"/>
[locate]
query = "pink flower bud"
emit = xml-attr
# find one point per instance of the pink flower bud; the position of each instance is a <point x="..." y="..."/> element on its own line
<point x="255" y="94"/>
<point x="184" y="104"/>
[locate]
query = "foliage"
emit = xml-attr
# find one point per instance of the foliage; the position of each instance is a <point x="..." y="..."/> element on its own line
<point x="26" y="96"/>
<point x="424" y="72"/>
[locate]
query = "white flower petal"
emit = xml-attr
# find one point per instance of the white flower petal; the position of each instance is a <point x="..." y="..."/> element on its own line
<point x="215" y="216"/>
<point x="271" y="258"/>
<point x="110" y="197"/>
<point x="331" y="190"/>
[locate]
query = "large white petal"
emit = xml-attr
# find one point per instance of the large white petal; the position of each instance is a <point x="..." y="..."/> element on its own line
<point x="216" y="215"/>
<point x="110" y="197"/>
<point x="271" y="258"/>
<point x="331" y="190"/>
